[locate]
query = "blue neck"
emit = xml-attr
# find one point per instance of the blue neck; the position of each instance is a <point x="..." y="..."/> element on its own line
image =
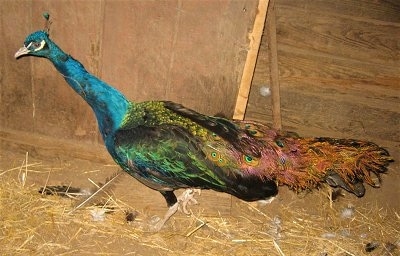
<point x="109" y="105"/>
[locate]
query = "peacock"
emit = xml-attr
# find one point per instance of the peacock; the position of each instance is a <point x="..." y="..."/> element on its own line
<point x="167" y="146"/>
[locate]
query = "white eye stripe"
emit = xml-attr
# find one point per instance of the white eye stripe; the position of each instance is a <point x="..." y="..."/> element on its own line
<point x="42" y="43"/>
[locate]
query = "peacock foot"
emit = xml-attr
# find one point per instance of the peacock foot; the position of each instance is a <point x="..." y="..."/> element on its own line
<point x="187" y="198"/>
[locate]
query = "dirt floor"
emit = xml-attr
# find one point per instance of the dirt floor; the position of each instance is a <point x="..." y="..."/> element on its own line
<point x="293" y="224"/>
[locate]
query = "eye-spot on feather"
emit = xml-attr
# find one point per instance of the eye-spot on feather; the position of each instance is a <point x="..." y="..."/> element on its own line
<point x="214" y="137"/>
<point x="217" y="158"/>
<point x="249" y="160"/>
<point x="253" y="131"/>
<point x="279" y="143"/>
<point x="283" y="162"/>
<point x="221" y="162"/>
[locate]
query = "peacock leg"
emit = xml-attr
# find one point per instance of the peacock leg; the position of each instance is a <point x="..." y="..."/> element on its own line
<point x="171" y="211"/>
<point x="172" y="204"/>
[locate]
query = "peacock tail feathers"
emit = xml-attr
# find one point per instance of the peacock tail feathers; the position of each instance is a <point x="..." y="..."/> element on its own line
<point x="350" y="159"/>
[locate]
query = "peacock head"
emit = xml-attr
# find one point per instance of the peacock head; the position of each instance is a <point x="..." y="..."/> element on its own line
<point x="36" y="44"/>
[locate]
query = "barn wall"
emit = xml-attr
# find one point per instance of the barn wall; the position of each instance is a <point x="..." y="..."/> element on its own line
<point x="191" y="52"/>
<point x="339" y="64"/>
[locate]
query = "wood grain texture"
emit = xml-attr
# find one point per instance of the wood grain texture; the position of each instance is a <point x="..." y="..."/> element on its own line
<point x="15" y="91"/>
<point x="339" y="37"/>
<point x="371" y="10"/>
<point x="185" y="51"/>
<point x="274" y="68"/>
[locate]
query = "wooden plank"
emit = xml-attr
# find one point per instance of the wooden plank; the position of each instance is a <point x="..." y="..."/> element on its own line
<point x="261" y="80"/>
<point x="343" y="97"/>
<point x="368" y="10"/>
<point x="298" y="64"/>
<point x="184" y="51"/>
<point x="318" y="44"/>
<point x="273" y="66"/>
<point x="366" y="114"/>
<point x="248" y="71"/>
<point x="340" y="37"/>
<point x="45" y="146"/>
<point x="209" y="54"/>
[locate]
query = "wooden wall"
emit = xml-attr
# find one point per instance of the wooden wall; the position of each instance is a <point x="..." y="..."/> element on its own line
<point x="339" y="66"/>
<point x="338" y="62"/>
<point x="191" y="52"/>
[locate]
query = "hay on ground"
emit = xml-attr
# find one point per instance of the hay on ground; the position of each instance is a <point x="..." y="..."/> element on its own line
<point x="36" y="224"/>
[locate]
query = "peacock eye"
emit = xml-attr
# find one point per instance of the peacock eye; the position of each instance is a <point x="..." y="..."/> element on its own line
<point x="36" y="44"/>
<point x="248" y="158"/>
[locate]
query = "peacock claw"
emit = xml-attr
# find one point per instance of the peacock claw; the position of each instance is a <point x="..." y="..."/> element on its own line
<point x="187" y="198"/>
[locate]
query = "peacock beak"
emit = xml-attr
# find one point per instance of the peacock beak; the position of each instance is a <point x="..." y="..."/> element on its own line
<point x="22" y="51"/>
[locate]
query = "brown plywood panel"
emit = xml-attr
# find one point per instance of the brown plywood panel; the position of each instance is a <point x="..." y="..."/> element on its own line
<point x="298" y="64"/>
<point x="16" y="111"/>
<point x="137" y="44"/>
<point x="187" y="51"/>
<point x="210" y="54"/>
<point x="76" y="28"/>
<point x="353" y="111"/>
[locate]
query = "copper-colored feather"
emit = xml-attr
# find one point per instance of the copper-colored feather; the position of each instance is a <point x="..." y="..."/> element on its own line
<point x="305" y="163"/>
